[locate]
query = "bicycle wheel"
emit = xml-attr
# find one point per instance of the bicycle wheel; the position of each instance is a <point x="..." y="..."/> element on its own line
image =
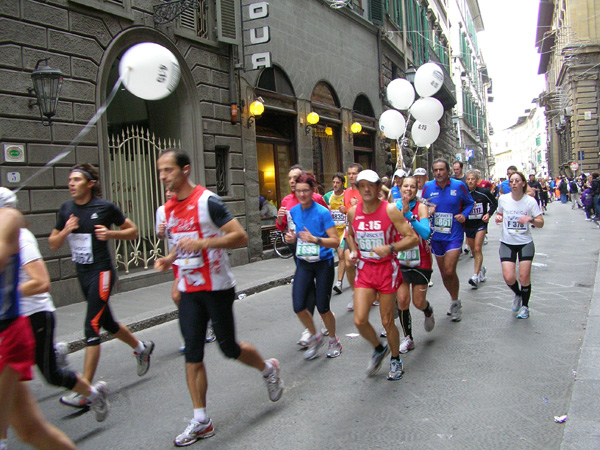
<point x="282" y="248"/>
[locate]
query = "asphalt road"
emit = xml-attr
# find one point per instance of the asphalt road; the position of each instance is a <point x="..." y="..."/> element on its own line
<point x="488" y="382"/>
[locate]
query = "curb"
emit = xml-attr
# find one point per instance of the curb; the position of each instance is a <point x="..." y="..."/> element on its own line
<point x="105" y="336"/>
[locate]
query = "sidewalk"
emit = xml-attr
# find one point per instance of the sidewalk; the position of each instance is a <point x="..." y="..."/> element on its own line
<point x="152" y="305"/>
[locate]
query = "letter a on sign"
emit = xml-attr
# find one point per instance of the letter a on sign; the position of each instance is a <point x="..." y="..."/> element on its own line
<point x="260" y="60"/>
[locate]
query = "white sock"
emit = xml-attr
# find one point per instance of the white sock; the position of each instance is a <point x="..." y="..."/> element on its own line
<point x="94" y="393"/>
<point x="268" y="369"/>
<point x="3" y="444"/>
<point x="140" y="348"/>
<point x="332" y="340"/>
<point x="200" y="415"/>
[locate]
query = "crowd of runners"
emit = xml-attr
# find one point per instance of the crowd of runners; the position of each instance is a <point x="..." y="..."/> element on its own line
<point x="385" y="239"/>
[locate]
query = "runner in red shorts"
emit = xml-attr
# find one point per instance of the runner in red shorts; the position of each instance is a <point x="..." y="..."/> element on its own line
<point x="17" y="350"/>
<point x="373" y="242"/>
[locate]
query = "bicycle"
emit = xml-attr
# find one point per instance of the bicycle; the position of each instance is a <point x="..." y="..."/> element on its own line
<point x="282" y="248"/>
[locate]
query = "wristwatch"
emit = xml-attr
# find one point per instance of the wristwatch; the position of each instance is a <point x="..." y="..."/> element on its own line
<point x="392" y="249"/>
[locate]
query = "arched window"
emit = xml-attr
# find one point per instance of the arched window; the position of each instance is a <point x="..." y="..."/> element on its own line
<point x="364" y="141"/>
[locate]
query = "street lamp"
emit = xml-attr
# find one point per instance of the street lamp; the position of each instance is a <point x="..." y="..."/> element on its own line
<point x="47" y="83"/>
<point x="256" y="108"/>
<point x="410" y="74"/>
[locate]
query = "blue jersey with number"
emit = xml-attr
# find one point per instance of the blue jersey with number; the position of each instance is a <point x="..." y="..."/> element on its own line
<point x="316" y="219"/>
<point x="452" y="200"/>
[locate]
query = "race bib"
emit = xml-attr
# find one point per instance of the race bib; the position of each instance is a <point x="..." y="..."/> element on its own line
<point x="367" y="241"/>
<point x="81" y="248"/>
<point x="442" y="222"/>
<point x="187" y="260"/>
<point x="410" y="257"/>
<point x="338" y="218"/>
<point x="477" y="211"/>
<point x="514" y="227"/>
<point x="308" y="251"/>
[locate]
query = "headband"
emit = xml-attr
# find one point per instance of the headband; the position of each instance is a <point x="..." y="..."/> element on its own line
<point x="84" y="173"/>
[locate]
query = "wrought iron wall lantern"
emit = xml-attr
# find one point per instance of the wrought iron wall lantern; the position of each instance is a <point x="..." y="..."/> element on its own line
<point x="167" y="12"/>
<point x="410" y="74"/>
<point x="47" y="83"/>
<point x="256" y="109"/>
<point x="355" y="128"/>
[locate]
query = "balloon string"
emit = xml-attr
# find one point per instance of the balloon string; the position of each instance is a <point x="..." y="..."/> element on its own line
<point x="400" y="144"/>
<point x="69" y="148"/>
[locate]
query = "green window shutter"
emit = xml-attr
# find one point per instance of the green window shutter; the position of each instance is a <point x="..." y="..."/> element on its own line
<point x="376" y="12"/>
<point x="228" y="21"/>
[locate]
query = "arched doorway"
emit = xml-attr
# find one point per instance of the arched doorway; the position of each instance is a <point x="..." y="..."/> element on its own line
<point x="364" y="141"/>
<point x="327" y="157"/>
<point x="131" y="134"/>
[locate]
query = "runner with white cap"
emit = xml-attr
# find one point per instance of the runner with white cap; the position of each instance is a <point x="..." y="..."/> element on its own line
<point x="395" y="194"/>
<point x="373" y="242"/>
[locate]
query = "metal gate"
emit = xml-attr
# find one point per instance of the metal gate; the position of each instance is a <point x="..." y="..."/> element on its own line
<point x="137" y="190"/>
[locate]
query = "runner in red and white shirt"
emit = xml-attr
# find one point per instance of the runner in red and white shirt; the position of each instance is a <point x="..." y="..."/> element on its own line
<point x="202" y="229"/>
<point x="373" y="242"/>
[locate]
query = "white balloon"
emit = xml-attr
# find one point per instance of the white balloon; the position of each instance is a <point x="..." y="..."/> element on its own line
<point x="424" y="134"/>
<point x="427" y="110"/>
<point x="429" y="79"/>
<point x="400" y="93"/>
<point x="392" y="124"/>
<point x="149" y="71"/>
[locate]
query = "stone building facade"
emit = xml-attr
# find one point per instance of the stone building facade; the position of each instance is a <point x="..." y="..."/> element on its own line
<point x="569" y="45"/>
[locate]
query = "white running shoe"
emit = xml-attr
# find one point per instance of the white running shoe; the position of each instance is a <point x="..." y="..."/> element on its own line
<point x="523" y="313"/>
<point x="100" y="404"/>
<point x="337" y="288"/>
<point x="274" y="381"/>
<point x="376" y="360"/>
<point x="304" y="338"/>
<point x="430" y="284"/>
<point x="143" y="359"/>
<point x="482" y="273"/>
<point x="75" y="400"/>
<point x="334" y="349"/>
<point x="517" y="302"/>
<point x="474" y="282"/>
<point x="396" y="370"/>
<point x="351" y="304"/>
<point x="194" y="431"/>
<point x="429" y="322"/>
<point x="316" y="342"/>
<point x="455" y="311"/>
<point x="407" y="344"/>
<point x="210" y="334"/>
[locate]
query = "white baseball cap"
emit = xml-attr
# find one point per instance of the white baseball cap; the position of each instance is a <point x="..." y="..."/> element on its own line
<point x="7" y="198"/>
<point x="368" y="175"/>
<point x="421" y="171"/>
<point x="400" y="173"/>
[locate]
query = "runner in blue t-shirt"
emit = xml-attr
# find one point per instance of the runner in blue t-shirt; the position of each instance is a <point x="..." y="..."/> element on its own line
<point x="453" y="203"/>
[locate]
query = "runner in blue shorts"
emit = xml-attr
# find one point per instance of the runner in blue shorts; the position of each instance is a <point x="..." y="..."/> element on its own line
<point x="453" y="203"/>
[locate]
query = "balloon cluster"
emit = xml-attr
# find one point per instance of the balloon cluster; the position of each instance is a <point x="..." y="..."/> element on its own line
<point x="426" y="110"/>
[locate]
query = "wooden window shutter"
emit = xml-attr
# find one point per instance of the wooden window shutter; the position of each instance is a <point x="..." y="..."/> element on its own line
<point x="228" y="21"/>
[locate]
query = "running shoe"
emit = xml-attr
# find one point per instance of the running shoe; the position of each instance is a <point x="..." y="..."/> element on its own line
<point x="304" y="338"/>
<point x="429" y="322"/>
<point x="194" y="431"/>
<point x="182" y="347"/>
<point x="383" y="333"/>
<point x="100" y="404"/>
<point x="351" y="304"/>
<point x="376" y="360"/>
<point x="75" y="400"/>
<point x="430" y="284"/>
<point x="455" y="311"/>
<point x="482" y="273"/>
<point x="316" y="342"/>
<point x="274" y="381"/>
<point x="407" y="344"/>
<point x="143" y="359"/>
<point x="396" y="369"/>
<point x="337" y="288"/>
<point x="210" y="335"/>
<point x="474" y="282"/>
<point x="375" y="303"/>
<point x="517" y="302"/>
<point x="335" y="348"/>
<point x="61" y="350"/>
<point x="523" y="313"/>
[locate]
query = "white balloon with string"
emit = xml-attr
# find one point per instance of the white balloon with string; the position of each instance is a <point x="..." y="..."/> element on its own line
<point x="424" y="134"/>
<point x="427" y="110"/>
<point x="429" y="79"/>
<point x="400" y="93"/>
<point x="392" y="124"/>
<point x="149" y="71"/>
